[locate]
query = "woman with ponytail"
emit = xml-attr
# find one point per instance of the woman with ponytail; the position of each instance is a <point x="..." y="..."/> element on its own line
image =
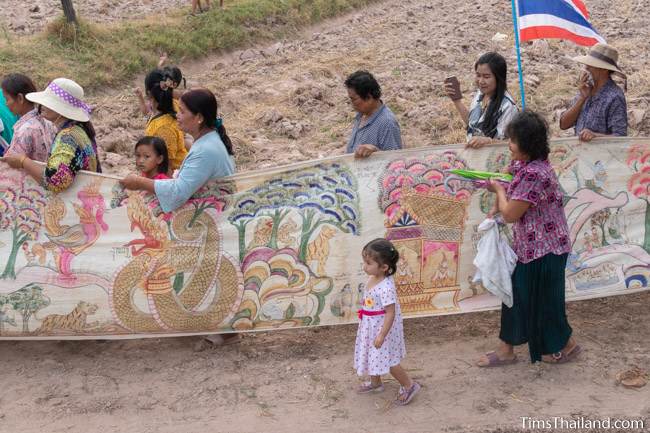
<point x="210" y="157"/>
<point x="160" y="91"/>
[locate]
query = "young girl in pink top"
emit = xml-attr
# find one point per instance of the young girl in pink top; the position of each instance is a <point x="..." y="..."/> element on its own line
<point x="151" y="158"/>
<point x="380" y="347"/>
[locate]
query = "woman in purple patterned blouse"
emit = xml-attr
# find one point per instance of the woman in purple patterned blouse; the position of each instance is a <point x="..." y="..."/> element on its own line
<point x="600" y="108"/>
<point x="533" y="202"/>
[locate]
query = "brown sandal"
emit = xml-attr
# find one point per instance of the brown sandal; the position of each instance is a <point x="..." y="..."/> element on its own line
<point x="632" y="378"/>
<point x="563" y="357"/>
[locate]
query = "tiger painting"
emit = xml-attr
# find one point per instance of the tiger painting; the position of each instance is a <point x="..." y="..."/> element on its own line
<point x="75" y="321"/>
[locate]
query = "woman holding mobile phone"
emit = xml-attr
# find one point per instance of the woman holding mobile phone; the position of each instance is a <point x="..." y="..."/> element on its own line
<point x="492" y="106"/>
<point x="600" y="108"/>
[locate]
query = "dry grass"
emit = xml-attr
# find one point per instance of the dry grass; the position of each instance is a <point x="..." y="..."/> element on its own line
<point x="101" y="55"/>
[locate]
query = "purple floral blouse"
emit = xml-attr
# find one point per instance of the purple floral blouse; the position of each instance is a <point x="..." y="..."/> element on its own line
<point x="543" y="228"/>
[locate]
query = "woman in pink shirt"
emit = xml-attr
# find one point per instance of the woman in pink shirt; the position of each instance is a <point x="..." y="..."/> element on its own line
<point x="33" y="134"/>
<point x="533" y="203"/>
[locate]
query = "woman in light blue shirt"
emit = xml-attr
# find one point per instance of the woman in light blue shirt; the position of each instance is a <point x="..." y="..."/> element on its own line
<point x="210" y="157"/>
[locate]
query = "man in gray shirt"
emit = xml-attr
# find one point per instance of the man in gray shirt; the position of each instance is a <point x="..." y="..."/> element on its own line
<point x="375" y="126"/>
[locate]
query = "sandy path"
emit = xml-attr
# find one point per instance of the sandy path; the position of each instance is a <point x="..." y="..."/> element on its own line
<point x="303" y="380"/>
<point x="285" y="102"/>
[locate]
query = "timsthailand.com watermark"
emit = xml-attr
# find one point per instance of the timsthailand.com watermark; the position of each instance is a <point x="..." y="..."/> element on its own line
<point x="581" y="423"/>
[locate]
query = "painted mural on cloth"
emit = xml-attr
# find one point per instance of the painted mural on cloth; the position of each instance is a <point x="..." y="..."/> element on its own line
<point x="291" y="220"/>
<point x="281" y="248"/>
<point x="425" y="210"/>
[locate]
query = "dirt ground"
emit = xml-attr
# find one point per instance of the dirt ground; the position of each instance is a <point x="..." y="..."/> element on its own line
<point x="284" y="102"/>
<point x="23" y="17"/>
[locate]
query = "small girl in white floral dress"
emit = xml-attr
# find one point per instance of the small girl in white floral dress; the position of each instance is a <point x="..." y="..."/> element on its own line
<point x="379" y="347"/>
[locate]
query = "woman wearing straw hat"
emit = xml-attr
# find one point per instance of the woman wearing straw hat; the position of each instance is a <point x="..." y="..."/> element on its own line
<point x="74" y="146"/>
<point x="599" y="109"/>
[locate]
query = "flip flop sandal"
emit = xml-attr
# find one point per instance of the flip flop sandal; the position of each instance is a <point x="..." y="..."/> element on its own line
<point x="633" y="378"/>
<point x="495" y="361"/>
<point x="405" y="396"/>
<point x="562" y="358"/>
<point x="366" y="388"/>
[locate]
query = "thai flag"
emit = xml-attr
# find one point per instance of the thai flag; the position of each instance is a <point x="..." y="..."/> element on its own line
<point x="556" y="19"/>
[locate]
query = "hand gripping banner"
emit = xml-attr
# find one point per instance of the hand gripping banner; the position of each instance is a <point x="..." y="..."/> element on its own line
<point x="281" y="248"/>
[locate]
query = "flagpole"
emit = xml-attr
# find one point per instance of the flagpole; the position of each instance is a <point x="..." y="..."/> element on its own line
<point x="521" y="72"/>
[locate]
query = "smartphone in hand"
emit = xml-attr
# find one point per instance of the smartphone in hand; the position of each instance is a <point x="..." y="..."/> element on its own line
<point x="455" y="85"/>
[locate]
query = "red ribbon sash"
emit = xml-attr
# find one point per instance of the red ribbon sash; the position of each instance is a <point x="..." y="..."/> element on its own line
<point x="362" y="313"/>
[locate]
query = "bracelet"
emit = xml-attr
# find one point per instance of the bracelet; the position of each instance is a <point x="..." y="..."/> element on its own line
<point x="22" y="161"/>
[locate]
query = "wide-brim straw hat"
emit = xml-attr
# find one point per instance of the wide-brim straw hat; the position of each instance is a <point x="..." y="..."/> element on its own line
<point x="64" y="97"/>
<point x="602" y="56"/>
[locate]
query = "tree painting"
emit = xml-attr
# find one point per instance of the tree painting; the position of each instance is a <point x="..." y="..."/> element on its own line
<point x="21" y="207"/>
<point x="27" y="301"/>
<point x="323" y="194"/>
<point x="638" y="159"/>
<point x="4" y="316"/>
<point x="599" y="220"/>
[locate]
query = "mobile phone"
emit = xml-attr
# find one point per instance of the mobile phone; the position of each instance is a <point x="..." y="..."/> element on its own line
<point x="456" y="95"/>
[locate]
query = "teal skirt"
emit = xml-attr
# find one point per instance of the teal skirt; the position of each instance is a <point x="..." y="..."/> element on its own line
<point x="538" y="314"/>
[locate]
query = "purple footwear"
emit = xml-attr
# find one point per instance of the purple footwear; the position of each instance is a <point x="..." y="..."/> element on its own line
<point x="366" y="388"/>
<point x="495" y="361"/>
<point x="404" y="396"/>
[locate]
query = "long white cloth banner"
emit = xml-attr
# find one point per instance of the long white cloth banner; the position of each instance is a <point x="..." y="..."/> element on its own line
<point x="281" y="248"/>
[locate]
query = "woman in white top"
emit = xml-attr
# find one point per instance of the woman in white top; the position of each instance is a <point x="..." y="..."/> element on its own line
<point x="492" y="106"/>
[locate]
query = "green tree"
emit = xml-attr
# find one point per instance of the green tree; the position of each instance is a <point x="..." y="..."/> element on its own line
<point x="21" y="208"/>
<point x="4" y="303"/>
<point x="322" y="194"/>
<point x="27" y="301"/>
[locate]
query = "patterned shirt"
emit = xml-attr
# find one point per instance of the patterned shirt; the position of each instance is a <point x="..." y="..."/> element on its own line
<point x="543" y="228"/>
<point x="605" y="112"/>
<point x="208" y="159"/>
<point x="381" y="130"/>
<point x="166" y="127"/>
<point x="33" y="136"/>
<point x="72" y="151"/>
<point x="506" y="112"/>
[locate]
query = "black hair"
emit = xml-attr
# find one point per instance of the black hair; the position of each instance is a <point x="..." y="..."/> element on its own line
<point x="499" y="69"/>
<point x="203" y="102"/>
<point x="364" y="85"/>
<point x="159" y="147"/>
<point x="18" y="84"/>
<point x="89" y="129"/>
<point x="529" y="130"/>
<point x="383" y="252"/>
<point x="155" y="85"/>
<point x="176" y="75"/>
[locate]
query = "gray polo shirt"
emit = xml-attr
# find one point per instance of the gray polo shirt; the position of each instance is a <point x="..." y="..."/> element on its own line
<point x="381" y="130"/>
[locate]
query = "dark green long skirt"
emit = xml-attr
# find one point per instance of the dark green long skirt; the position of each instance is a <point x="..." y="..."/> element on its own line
<point x="538" y="314"/>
